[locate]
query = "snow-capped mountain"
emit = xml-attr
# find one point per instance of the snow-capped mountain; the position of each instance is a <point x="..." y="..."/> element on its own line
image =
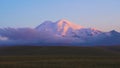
<point x="110" y="38"/>
<point x="67" y="28"/>
<point x="61" y="32"/>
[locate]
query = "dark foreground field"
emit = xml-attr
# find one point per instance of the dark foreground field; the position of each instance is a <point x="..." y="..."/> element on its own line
<point x="60" y="57"/>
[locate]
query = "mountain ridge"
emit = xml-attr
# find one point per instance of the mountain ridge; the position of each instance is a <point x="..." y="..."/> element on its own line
<point x="61" y="32"/>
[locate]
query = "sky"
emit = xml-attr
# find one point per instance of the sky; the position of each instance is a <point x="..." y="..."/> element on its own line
<point x="100" y="14"/>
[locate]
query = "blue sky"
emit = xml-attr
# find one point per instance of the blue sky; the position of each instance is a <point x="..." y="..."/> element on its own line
<point x="101" y="14"/>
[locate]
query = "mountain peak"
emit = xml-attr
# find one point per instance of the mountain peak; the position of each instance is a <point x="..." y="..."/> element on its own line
<point x="114" y="32"/>
<point x="63" y="20"/>
<point x="64" y="25"/>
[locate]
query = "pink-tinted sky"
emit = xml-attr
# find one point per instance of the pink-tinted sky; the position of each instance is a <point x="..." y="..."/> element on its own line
<point x="101" y="14"/>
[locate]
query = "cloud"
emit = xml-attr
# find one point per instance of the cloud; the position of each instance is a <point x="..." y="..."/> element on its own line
<point x="3" y="38"/>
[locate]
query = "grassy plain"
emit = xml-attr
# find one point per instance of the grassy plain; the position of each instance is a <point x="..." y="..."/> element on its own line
<point x="60" y="57"/>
